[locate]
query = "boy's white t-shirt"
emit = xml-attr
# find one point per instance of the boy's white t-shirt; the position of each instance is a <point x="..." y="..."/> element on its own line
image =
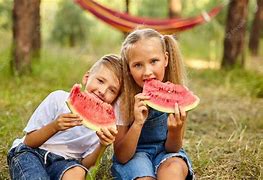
<point x="76" y="142"/>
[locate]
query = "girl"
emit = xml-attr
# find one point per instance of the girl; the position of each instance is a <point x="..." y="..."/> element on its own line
<point x="56" y="145"/>
<point x="149" y="143"/>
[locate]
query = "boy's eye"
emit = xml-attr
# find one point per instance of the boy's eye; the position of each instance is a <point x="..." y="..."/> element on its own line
<point x="100" y="80"/>
<point x="112" y="91"/>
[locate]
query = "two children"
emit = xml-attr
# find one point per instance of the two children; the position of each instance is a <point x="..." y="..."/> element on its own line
<point x="56" y="145"/>
<point x="148" y="144"/>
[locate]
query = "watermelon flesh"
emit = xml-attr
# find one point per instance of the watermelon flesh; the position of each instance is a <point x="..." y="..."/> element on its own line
<point x="94" y="112"/>
<point x="165" y="96"/>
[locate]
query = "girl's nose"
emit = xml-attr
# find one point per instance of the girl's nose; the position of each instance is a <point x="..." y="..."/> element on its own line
<point x="148" y="71"/>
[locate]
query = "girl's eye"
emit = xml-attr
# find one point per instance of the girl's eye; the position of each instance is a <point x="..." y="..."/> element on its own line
<point x="154" y="61"/>
<point x="138" y="65"/>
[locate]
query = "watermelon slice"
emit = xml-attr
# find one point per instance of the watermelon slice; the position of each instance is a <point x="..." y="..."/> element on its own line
<point x="94" y="112"/>
<point x="165" y="96"/>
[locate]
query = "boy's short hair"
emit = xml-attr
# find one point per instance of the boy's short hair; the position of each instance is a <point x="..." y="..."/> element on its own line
<point x="112" y="62"/>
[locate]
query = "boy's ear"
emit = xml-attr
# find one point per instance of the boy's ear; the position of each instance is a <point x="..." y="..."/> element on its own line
<point x="85" y="78"/>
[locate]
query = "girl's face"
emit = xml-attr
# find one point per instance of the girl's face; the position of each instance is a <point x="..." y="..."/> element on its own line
<point x="102" y="83"/>
<point x="147" y="60"/>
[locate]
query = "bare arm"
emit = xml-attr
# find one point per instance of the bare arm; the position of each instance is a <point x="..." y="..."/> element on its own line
<point x="176" y="127"/>
<point x="36" y="138"/>
<point x="91" y="159"/>
<point x="126" y="142"/>
<point x="107" y="137"/>
<point x="127" y="138"/>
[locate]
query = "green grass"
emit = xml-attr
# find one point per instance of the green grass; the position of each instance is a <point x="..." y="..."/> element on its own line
<point x="223" y="136"/>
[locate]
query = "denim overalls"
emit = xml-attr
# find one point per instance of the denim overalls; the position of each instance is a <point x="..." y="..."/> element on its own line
<point x="150" y="151"/>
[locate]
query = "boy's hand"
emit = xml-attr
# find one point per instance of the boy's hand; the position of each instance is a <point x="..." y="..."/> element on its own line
<point x="176" y="121"/>
<point x="140" y="109"/>
<point x="66" y="121"/>
<point x="107" y="135"/>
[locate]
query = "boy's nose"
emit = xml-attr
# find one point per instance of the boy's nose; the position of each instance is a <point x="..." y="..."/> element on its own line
<point x="102" y="90"/>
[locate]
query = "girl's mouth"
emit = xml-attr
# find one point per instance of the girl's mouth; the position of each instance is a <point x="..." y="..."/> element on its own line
<point x="148" y="79"/>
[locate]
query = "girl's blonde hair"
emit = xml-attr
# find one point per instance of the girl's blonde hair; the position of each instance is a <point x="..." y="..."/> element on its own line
<point x="174" y="72"/>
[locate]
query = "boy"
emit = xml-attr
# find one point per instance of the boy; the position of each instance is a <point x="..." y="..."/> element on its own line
<point x="56" y="145"/>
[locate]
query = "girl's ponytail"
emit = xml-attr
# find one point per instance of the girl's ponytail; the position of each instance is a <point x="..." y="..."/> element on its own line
<point x="175" y="71"/>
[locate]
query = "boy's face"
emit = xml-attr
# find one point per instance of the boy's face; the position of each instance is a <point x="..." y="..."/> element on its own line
<point x="102" y="83"/>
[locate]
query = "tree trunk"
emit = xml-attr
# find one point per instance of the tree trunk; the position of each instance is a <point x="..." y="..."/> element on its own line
<point x="37" y="31"/>
<point x="25" y="34"/>
<point x="127" y="10"/>
<point x="235" y="34"/>
<point x="175" y="8"/>
<point x="257" y="26"/>
<point x="127" y="4"/>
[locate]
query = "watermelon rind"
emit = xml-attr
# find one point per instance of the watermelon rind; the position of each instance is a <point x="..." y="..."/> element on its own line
<point x="172" y="110"/>
<point x="159" y="108"/>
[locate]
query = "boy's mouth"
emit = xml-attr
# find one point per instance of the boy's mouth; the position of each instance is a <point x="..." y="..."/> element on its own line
<point x="99" y="97"/>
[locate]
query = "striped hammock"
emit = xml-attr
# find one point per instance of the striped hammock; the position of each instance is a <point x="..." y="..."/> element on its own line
<point x="126" y="22"/>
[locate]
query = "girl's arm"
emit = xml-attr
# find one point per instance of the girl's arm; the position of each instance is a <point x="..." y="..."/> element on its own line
<point x="126" y="142"/>
<point x="176" y="125"/>
<point x="36" y="138"/>
<point x="127" y="137"/>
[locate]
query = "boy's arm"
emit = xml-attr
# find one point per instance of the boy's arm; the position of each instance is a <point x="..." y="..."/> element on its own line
<point x="106" y="138"/>
<point x="91" y="159"/>
<point x="36" y="138"/>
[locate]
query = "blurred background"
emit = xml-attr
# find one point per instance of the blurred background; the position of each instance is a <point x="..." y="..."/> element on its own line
<point x="47" y="45"/>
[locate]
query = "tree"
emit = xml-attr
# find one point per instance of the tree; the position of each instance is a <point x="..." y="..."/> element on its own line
<point x="127" y="10"/>
<point x="127" y="5"/>
<point x="175" y="8"/>
<point x="70" y="25"/>
<point x="235" y="34"/>
<point x="256" y="29"/>
<point x="26" y="23"/>
<point x="6" y="14"/>
<point x="156" y="8"/>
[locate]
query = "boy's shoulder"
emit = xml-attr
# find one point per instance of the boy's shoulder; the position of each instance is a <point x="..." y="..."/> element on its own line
<point x="58" y="95"/>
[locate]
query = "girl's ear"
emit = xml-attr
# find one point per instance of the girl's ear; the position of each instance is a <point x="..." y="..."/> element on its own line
<point x="85" y="78"/>
<point x="166" y="56"/>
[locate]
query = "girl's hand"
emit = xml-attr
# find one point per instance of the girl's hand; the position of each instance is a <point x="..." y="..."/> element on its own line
<point x="66" y="121"/>
<point x="140" y="109"/>
<point x="107" y="135"/>
<point x="176" y="121"/>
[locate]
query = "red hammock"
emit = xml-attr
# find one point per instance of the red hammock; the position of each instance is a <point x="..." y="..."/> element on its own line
<point x="126" y="23"/>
